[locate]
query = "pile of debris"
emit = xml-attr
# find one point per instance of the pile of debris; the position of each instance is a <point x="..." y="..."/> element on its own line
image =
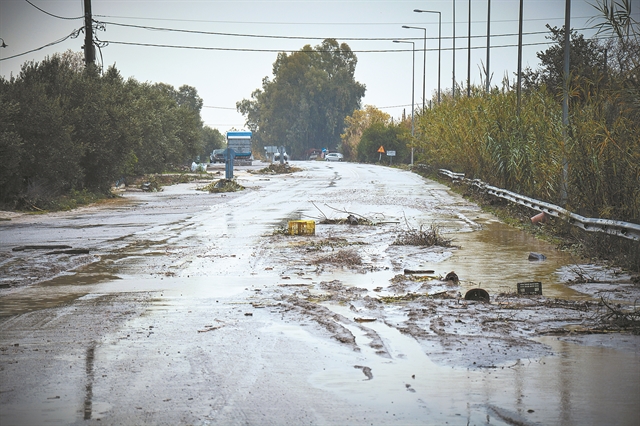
<point x="278" y="169"/>
<point x="422" y="237"/>
<point x="222" y="185"/>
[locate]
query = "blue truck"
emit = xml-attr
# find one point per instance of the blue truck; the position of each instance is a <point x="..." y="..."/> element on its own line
<point x="240" y="142"/>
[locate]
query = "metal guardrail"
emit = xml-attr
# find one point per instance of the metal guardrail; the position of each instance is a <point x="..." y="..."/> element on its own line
<point x="614" y="227"/>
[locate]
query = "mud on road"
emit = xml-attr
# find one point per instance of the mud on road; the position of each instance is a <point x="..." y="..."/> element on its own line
<point x="195" y="308"/>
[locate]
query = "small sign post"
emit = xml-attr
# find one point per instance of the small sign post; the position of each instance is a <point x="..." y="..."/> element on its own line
<point x="391" y="154"/>
<point x="381" y="151"/>
<point x="229" y="156"/>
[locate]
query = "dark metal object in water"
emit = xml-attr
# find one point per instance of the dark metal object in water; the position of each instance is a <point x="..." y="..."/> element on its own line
<point x="537" y="256"/>
<point x="478" y="294"/>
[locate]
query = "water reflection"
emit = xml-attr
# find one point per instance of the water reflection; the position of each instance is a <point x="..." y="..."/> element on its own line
<point x="496" y="258"/>
<point x="88" y="398"/>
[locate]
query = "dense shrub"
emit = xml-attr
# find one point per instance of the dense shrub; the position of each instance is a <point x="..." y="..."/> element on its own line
<point x="66" y="128"/>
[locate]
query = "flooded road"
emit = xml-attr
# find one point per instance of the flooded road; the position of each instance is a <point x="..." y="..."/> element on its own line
<point x="194" y="308"/>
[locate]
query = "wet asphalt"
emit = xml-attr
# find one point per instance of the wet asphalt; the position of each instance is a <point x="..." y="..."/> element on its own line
<point x="193" y="308"/>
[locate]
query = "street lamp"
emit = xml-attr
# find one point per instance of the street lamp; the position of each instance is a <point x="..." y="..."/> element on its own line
<point x="424" y="65"/>
<point x="413" y="84"/>
<point x="439" y="41"/>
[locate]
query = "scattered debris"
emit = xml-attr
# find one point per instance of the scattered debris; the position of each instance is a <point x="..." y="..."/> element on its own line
<point x="222" y="185"/>
<point x="534" y="287"/>
<point x="70" y="251"/>
<point x="209" y="328"/>
<point x="348" y="258"/>
<point x="620" y="319"/>
<point x="365" y="370"/>
<point x="418" y="271"/>
<point x="302" y="227"/>
<point x="41" y="247"/>
<point x="478" y="294"/>
<point x="351" y="218"/>
<point x="149" y="186"/>
<point x="422" y="237"/>
<point x="452" y="277"/>
<point x="408" y="297"/>
<point x="277" y="169"/>
<point x="537" y="256"/>
<point x="359" y="319"/>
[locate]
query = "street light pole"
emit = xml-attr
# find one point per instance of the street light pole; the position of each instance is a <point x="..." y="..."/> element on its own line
<point x="453" y="88"/>
<point x="424" y="65"/>
<point x="413" y="84"/>
<point x="439" y="41"/>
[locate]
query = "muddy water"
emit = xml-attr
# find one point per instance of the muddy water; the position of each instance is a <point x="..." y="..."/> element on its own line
<point x="577" y="385"/>
<point x="496" y="258"/>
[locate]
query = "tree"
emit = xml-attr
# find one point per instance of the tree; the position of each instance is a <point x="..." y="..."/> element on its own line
<point x="187" y="96"/>
<point x="356" y="124"/>
<point x="393" y="137"/>
<point x="586" y="69"/>
<point x="306" y="102"/>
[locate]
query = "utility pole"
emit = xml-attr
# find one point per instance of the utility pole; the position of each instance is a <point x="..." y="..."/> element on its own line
<point x="488" y="43"/>
<point x="565" y="104"/>
<point x="453" y="88"/>
<point x="469" y="54"/>
<point x="89" y="52"/>
<point x="519" y="83"/>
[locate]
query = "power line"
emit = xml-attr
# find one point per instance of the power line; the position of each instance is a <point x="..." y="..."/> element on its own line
<point x="317" y="23"/>
<point x="74" y="34"/>
<point x="239" y="49"/>
<point x="51" y="14"/>
<point x="394" y="106"/>
<point x="146" y="27"/>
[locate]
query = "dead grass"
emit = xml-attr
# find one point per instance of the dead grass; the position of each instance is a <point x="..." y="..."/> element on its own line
<point x="422" y="237"/>
<point x="347" y="258"/>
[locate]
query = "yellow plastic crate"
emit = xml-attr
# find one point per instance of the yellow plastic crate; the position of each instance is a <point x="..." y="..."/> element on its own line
<point x="302" y="227"/>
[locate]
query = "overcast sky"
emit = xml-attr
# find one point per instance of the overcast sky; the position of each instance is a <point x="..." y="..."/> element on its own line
<point x="226" y="67"/>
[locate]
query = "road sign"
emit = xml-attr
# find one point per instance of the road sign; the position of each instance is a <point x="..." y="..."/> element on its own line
<point x="391" y="153"/>
<point x="381" y="149"/>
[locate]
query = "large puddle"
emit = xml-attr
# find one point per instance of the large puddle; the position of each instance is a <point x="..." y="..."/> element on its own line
<point x="578" y="385"/>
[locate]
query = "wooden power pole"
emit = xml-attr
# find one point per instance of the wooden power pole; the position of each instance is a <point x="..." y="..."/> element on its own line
<point x="89" y="51"/>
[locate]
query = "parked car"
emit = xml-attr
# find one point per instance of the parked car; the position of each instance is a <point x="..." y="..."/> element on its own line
<point x="334" y="156"/>
<point x="276" y="156"/>
<point x="217" y="156"/>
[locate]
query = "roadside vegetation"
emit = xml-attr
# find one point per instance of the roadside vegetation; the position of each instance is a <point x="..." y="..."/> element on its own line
<point x="67" y="131"/>
<point x="523" y="148"/>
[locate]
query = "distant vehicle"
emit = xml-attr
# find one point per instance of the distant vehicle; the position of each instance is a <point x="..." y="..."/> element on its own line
<point x="217" y="156"/>
<point x="313" y="153"/>
<point x="276" y="156"/>
<point x="240" y="142"/>
<point x="334" y="156"/>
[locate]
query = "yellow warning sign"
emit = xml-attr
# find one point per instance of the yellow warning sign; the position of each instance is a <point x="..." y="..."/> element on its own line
<point x="381" y="149"/>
